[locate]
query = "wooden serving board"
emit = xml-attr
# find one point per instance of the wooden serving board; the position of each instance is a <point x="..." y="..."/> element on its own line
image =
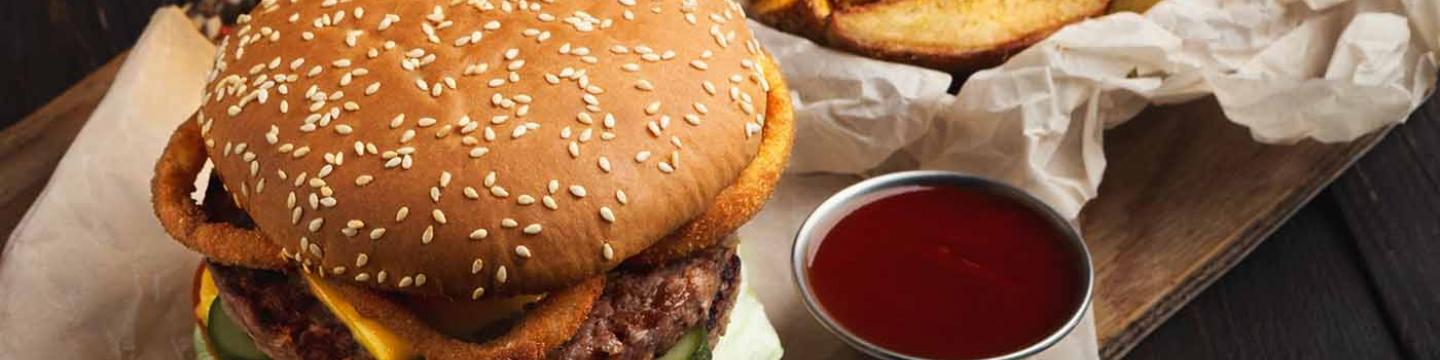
<point x="1186" y="196"/>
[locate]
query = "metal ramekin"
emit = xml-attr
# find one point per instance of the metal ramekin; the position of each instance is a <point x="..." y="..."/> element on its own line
<point x="813" y="230"/>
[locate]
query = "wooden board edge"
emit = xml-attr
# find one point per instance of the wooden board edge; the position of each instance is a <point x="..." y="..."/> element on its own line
<point x="1167" y="305"/>
<point x="32" y="147"/>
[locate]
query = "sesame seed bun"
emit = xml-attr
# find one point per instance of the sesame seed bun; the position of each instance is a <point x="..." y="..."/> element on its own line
<point x="486" y="148"/>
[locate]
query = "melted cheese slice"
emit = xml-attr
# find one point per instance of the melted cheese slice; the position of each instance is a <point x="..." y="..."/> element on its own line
<point x="379" y="341"/>
<point x="382" y="343"/>
<point x="206" y="293"/>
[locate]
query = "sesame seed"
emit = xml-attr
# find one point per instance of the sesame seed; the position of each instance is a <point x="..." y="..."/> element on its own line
<point x="607" y="214"/>
<point x="604" y="164"/>
<point x="640" y="157"/>
<point x="362" y="277"/>
<point x="428" y="235"/>
<point x="316" y="223"/>
<point x="479" y="292"/>
<point x="652" y="108"/>
<point x="666" y="168"/>
<point x="479" y="151"/>
<point x="607" y="251"/>
<point x="406" y="282"/>
<point x="380" y="276"/>
<point x="577" y="190"/>
<point x="435" y="194"/>
<point x="621" y="197"/>
<point x="499" y="191"/>
<point x="490" y="179"/>
<point x="376" y="234"/>
<point x="338" y="270"/>
<point x="401" y="214"/>
<point x="532" y="229"/>
<point x="479" y="234"/>
<point x="508" y="223"/>
<point x="438" y="215"/>
<point x="522" y="251"/>
<point x="525" y="200"/>
<point x="420" y="280"/>
<point x="501" y="275"/>
<point x="700" y="65"/>
<point x="361" y="260"/>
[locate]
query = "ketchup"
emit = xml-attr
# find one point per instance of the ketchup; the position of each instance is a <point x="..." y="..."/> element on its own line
<point x="947" y="273"/>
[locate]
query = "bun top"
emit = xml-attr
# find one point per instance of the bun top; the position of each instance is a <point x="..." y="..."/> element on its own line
<point x="464" y="148"/>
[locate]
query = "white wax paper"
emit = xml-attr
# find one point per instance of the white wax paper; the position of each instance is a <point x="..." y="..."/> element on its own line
<point x="89" y="273"/>
<point x="1328" y="70"/>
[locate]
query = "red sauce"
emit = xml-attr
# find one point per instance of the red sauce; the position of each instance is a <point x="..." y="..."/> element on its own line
<point x="946" y="273"/>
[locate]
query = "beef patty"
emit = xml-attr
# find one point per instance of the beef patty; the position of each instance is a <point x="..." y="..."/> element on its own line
<point x="641" y="312"/>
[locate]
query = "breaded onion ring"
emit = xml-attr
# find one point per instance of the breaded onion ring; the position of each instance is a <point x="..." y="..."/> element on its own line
<point x="736" y="204"/>
<point x="552" y="322"/>
<point x="174" y="181"/>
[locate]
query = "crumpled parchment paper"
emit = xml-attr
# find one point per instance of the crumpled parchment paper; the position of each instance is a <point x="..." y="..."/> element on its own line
<point x="90" y="274"/>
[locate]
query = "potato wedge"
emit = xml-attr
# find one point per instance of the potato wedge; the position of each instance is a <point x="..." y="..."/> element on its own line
<point x="806" y="18"/>
<point x="953" y="35"/>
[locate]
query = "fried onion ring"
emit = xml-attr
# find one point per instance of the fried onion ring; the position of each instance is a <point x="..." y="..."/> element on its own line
<point x="552" y="322"/>
<point x="170" y="189"/>
<point x="736" y="204"/>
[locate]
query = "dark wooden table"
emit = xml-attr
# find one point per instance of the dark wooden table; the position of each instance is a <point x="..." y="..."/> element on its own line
<point x="1354" y="275"/>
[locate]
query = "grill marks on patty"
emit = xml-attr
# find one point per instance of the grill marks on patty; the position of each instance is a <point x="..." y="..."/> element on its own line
<point x="642" y="312"/>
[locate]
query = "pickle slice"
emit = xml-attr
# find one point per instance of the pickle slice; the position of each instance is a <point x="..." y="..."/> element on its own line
<point x="228" y="339"/>
<point x="692" y="346"/>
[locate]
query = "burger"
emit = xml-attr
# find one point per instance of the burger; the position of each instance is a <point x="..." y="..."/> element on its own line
<point x="478" y="179"/>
